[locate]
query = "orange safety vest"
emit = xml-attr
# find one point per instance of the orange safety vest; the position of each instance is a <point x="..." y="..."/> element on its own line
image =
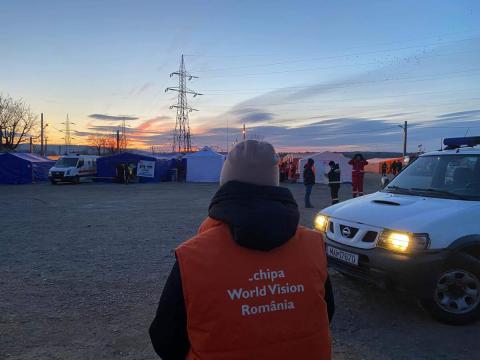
<point x="245" y="304"/>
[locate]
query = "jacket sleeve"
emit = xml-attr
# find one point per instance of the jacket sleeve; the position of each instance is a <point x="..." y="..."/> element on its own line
<point x="168" y="330"/>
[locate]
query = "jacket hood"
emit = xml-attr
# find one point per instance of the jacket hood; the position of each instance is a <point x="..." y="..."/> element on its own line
<point x="260" y="217"/>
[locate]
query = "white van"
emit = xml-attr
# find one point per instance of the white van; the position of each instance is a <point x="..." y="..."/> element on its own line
<point x="73" y="168"/>
<point x="421" y="233"/>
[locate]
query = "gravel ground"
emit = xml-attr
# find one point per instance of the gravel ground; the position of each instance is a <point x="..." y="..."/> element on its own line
<point x="82" y="268"/>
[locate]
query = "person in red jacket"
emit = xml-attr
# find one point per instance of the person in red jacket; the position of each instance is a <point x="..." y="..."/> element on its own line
<point x="252" y="284"/>
<point x="358" y="164"/>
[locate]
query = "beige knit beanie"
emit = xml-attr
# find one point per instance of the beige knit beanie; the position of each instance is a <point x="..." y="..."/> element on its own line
<point x="253" y="162"/>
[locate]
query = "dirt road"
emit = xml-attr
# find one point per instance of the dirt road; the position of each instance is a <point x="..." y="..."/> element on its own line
<point x="82" y="268"/>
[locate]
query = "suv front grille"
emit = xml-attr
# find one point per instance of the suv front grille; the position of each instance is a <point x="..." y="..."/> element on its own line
<point x="348" y="231"/>
<point x="370" y="236"/>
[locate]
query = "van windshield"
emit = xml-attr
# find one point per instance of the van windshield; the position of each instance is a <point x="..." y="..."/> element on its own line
<point x="446" y="176"/>
<point x="66" y="162"/>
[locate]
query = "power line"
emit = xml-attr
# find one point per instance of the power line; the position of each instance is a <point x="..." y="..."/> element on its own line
<point x="337" y="56"/>
<point x="354" y="99"/>
<point x="332" y="66"/>
<point x="412" y="40"/>
<point x="358" y="83"/>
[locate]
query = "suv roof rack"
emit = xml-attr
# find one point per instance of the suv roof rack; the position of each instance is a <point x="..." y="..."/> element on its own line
<point x="455" y="143"/>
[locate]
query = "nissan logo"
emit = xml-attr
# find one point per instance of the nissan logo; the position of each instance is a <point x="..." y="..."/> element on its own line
<point x="346" y="232"/>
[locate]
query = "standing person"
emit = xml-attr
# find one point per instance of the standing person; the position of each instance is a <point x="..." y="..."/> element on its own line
<point x="309" y="181"/>
<point x="224" y="298"/>
<point x="384" y="169"/>
<point x="393" y="167"/>
<point x="358" y="164"/>
<point x="399" y="167"/>
<point x="334" y="181"/>
<point x="126" y="173"/>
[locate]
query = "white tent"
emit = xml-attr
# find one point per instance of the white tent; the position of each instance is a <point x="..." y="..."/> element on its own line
<point x="204" y="165"/>
<point x="321" y="166"/>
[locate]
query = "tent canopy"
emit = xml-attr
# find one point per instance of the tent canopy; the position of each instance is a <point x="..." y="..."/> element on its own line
<point x="23" y="168"/>
<point x="204" y="165"/>
<point x="107" y="165"/>
<point x="321" y="166"/>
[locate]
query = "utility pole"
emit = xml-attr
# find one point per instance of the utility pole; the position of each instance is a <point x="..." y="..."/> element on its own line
<point x="46" y="145"/>
<point x="41" y="134"/>
<point x="244" y="133"/>
<point x="118" y="140"/>
<point x="405" y="130"/>
<point x="31" y="145"/>
<point x="181" y="136"/>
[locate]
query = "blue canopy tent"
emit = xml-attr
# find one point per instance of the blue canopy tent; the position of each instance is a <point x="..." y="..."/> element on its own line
<point x="23" y="168"/>
<point x="146" y="167"/>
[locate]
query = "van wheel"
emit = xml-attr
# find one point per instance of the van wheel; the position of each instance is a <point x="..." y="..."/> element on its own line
<point x="456" y="294"/>
<point x="53" y="182"/>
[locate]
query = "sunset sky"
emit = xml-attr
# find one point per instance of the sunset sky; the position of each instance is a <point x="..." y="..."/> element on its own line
<point x="337" y="75"/>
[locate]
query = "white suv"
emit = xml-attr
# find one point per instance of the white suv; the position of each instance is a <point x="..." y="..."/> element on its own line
<point x="421" y="233"/>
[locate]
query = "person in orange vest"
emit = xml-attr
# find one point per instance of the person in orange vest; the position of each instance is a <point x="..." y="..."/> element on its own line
<point x="358" y="164"/>
<point x="252" y="284"/>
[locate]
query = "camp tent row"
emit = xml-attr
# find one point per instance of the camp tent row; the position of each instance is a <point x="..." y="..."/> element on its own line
<point x="202" y="166"/>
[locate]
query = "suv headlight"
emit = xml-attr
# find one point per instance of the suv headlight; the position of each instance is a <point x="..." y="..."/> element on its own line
<point x="321" y="222"/>
<point x="403" y="242"/>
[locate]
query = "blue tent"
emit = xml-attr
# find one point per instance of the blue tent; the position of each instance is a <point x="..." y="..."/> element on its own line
<point x="23" y="168"/>
<point x="107" y="166"/>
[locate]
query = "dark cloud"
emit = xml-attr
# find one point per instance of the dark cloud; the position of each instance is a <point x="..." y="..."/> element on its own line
<point x="460" y="114"/>
<point x="112" y="117"/>
<point x="395" y="115"/>
<point x="256" y="117"/>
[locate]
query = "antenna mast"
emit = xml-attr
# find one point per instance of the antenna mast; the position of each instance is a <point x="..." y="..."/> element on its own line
<point x="181" y="137"/>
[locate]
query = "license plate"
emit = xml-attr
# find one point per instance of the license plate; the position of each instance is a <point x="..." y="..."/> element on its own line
<point x="342" y="255"/>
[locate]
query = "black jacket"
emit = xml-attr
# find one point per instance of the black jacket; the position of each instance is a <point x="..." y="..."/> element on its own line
<point x="308" y="175"/>
<point x="261" y="218"/>
<point x="334" y="175"/>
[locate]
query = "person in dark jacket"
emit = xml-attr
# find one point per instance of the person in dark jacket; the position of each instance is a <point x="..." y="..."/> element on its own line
<point x="263" y="220"/>
<point x="334" y="181"/>
<point x="393" y="168"/>
<point x="384" y="169"/>
<point x="309" y="181"/>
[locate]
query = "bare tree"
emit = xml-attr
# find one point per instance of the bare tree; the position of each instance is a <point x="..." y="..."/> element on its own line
<point x="17" y="121"/>
<point x="96" y="142"/>
<point x="104" y="144"/>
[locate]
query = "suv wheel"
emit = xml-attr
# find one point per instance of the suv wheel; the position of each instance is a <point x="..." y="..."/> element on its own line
<point x="456" y="294"/>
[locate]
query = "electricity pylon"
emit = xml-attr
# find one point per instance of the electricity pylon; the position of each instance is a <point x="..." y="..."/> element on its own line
<point x="66" y="132"/>
<point x="182" y="141"/>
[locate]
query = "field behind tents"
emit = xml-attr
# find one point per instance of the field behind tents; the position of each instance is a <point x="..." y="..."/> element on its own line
<point x="82" y="268"/>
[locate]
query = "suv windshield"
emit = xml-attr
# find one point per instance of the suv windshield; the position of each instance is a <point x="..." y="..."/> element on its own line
<point x="66" y="162"/>
<point x="447" y="176"/>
